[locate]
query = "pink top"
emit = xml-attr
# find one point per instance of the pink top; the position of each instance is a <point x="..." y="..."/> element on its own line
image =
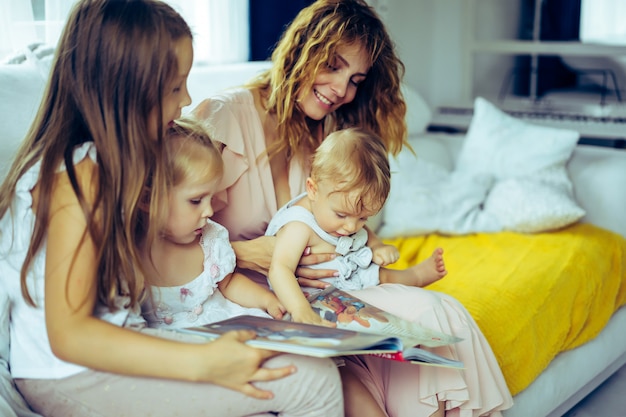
<point x="232" y="119"/>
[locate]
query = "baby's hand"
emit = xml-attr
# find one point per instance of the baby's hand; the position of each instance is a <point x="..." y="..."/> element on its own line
<point x="384" y="255"/>
<point x="277" y="310"/>
<point x="274" y="308"/>
<point x="309" y="316"/>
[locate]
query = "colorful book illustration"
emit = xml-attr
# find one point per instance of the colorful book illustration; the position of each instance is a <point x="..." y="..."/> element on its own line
<point x="351" y="313"/>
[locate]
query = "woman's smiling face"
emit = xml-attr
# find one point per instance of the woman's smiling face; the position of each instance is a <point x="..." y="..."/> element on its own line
<point x="337" y="84"/>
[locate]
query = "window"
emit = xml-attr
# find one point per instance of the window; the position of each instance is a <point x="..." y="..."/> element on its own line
<point x="602" y="21"/>
<point x="220" y="27"/>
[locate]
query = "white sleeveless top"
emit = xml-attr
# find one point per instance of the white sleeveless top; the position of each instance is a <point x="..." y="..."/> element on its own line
<point x="30" y="354"/>
<point x="354" y="259"/>
<point x="199" y="301"/>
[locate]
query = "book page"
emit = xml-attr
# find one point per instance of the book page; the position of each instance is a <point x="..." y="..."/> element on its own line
<point x="352" y="313"/>
<point x="300" y="338"/>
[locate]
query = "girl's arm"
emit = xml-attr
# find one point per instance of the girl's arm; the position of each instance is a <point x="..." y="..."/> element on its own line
<point x="77" y="336"/>
<point x="239" y="289"/>
<point x="291" y="240"/>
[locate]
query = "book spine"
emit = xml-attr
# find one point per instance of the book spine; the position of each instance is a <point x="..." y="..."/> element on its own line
<point x="395" y="356"/>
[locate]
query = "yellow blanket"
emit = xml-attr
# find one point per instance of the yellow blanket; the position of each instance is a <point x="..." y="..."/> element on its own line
<point x="533" y="296"/>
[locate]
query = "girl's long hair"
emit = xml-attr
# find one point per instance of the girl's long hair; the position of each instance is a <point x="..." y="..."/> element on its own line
<point x="304" y="50"/>
<point x="111" y="69"/>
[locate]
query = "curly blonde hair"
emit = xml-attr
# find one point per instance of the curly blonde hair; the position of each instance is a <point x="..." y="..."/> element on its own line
<point x="305" y="48"/>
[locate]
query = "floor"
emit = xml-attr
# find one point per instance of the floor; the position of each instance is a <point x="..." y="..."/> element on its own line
<point x="608" y="400"/>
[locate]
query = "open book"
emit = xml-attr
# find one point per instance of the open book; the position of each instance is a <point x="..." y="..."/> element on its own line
<point x="351" y="313"/>
<point x="319" y="341"/>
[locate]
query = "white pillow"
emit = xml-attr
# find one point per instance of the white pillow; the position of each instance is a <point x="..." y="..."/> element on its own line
<point x="418" y="113"/>
<point x="427" y="197"/>
<point x="506" y="147"/>
<point x="511" y="175"/>
<point x="532" y="190"/>
<point x="528" y="205"/>
<point x="21" y="89"/>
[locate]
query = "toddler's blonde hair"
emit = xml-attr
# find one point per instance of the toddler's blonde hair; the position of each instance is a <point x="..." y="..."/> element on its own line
<point x="191" y="152"/>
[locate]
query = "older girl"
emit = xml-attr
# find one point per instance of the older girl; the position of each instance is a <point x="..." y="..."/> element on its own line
<point x="69" y="254"/>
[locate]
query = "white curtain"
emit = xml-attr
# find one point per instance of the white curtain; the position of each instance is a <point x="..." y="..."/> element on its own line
<point x="220" y="29"/>
<point x="603" y="21"/>
<point x="19" y="26"/>
<point x="220" y="26"/>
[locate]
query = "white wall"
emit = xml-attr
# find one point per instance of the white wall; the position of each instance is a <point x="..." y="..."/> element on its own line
<point x="431" y="38"/>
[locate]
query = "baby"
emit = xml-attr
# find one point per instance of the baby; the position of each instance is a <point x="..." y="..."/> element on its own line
<point x="349" y="182"/>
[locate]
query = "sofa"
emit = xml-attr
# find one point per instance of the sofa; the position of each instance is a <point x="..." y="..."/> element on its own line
<point x="528" y="219"/>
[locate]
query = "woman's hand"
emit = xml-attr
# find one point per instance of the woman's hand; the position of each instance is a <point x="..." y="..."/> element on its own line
<point x="256" y="255"/>
<point x="235" y="365"/>
<point x="309" y="277"/>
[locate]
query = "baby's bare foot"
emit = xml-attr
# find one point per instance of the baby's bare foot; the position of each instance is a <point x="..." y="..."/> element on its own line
<point x="431" y="269"/>
<point x="424" y="273"/>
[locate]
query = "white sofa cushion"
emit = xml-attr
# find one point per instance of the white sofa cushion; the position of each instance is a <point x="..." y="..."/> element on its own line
<point x="418" y="113"/>
<point x="509" y="175"/>
<point x="506" y="147"/>
<point x="21" y="90"/>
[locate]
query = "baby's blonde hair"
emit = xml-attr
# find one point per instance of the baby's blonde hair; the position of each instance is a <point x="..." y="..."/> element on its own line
<point x="355" y="159"/>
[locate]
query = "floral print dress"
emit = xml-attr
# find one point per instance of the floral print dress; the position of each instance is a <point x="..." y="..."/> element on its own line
<point x="199" y="301"/>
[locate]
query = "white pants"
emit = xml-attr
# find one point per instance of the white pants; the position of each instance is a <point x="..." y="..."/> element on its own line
<point x="313" y="390"/>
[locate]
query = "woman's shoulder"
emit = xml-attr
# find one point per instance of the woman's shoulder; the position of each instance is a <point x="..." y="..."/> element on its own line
<point x="231" y="118"/>
<point x="227" y="100"/>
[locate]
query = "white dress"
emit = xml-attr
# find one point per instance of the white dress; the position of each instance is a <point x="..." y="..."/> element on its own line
<point x="354" y="258"/>
<point x="199" y="301"/>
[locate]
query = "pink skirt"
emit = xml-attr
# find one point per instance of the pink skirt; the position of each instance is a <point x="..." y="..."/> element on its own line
<point x="404" y="389"/>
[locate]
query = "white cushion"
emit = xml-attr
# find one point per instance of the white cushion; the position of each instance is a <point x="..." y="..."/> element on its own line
<point x="418" y="113"/>
<point x="506" y="147"/>
<point x="426" y="196"/>
<point x="528" y="205"/>
<point x="532" y="191"/>
<point x="510" y="175"/>
<point x="21" y="90"/>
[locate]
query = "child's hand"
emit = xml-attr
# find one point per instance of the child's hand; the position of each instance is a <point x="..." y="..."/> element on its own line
<point x="309" y="316"/>
<point x="384" y="255"/>
<point x="275" y="309"/>
<point x="229" y="362"/>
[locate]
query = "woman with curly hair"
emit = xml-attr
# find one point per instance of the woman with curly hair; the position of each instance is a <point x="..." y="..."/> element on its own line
<point x="336" y="67"/>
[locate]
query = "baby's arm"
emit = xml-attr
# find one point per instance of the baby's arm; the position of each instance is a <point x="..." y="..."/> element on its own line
<point x="382" y="254"/>
<point x="240" y="289"/>
<point x="291" y="241"/>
